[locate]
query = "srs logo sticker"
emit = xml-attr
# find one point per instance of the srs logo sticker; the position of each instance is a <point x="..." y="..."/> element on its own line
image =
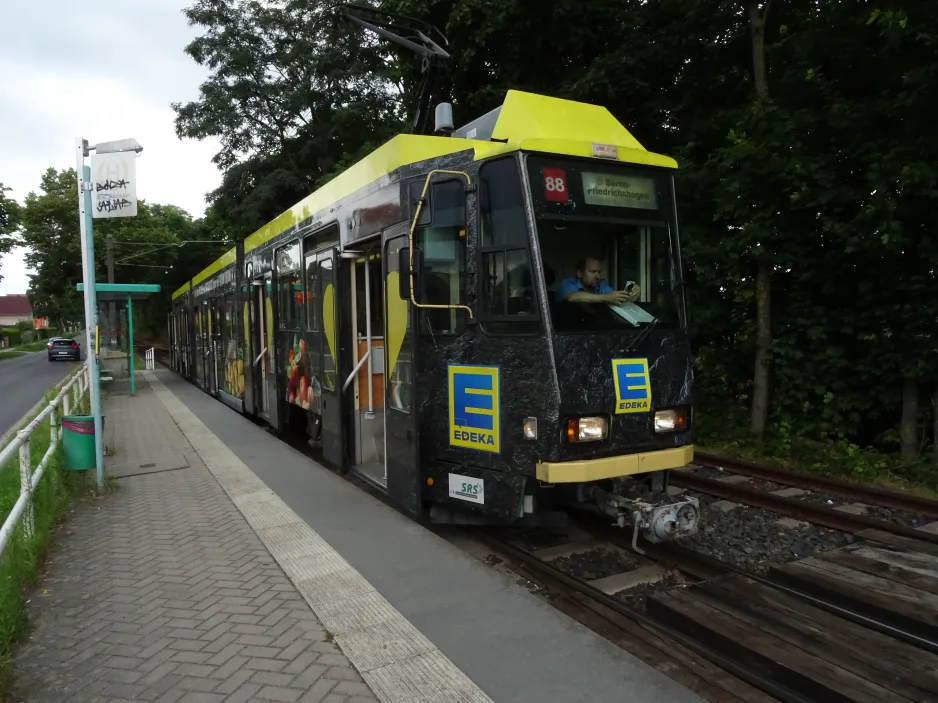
<point x="467" y="488"/>
<point x="473" y="407"/>
<point x="633" y="387"/>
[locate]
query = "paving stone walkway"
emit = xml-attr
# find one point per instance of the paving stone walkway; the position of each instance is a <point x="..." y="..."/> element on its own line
<point x="162" y="592"/>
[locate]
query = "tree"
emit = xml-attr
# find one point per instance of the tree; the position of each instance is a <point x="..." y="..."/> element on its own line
<point x="806" y="186"/>
<point x="10" y="216"/>
<point x="149" y="248"/>
<point x="293" y="93"/>
<point x="51" y="235"/>
<point x="757" y="13"/>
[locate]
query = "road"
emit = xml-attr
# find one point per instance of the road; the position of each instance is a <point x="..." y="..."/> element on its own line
<point x="24" y="381"/>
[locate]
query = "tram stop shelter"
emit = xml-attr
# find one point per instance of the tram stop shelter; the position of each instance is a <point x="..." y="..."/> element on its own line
<point x="117" y="352"/>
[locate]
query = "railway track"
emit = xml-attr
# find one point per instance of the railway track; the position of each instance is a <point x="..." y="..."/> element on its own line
<point x="804" y="645"/>
<point x="702" y="669"/>
<point x="814" y="513"/>
<point x="797" y="479"/>
<point x="810" y="482"/>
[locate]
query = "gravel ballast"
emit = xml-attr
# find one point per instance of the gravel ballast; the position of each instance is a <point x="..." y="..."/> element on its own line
<point x="752" y="539"/>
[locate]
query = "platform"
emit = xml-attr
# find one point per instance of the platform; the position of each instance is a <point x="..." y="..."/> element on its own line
<point x="401" y="614"/>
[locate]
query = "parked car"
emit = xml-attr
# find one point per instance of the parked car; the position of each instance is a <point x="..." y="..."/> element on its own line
<point x="62" y="348"/>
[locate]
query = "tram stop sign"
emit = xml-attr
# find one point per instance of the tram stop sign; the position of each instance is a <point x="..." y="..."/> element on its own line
<point x="114" y="180"/>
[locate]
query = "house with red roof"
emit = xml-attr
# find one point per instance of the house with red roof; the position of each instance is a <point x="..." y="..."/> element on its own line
<point x="15" y="308"/>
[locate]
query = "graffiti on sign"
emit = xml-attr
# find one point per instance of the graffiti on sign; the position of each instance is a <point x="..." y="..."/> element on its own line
<point x="113" y="177"/>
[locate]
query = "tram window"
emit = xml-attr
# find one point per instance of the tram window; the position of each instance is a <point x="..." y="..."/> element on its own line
<point x="502" y="205"/>
<point x="508" y="291"/>
<point x="443" y="248"/>
<point x="374" y="283"/>
<point x="289" y="286"/>
<point x="625" y="252"/>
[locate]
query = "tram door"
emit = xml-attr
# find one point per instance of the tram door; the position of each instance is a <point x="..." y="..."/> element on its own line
<point x="402" y="454"/>
<point x="201" y="344"/>
<point x="247" y="324"/>
<point x="367" y="295"/>
<point x="264" y="361"/>
<point x="330" y="401"/>
<point x="215" y="330"/>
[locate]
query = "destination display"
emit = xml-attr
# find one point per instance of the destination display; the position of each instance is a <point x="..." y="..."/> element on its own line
<point x="613" y="190"/>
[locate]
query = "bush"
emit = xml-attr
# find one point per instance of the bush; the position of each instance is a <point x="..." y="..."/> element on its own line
<point x="726" y="432"/>
<point x="12" y="336"/>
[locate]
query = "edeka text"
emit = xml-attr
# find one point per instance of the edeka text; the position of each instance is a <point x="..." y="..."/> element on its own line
<point x="474" y="404"/>
<point x="474" y="437"/>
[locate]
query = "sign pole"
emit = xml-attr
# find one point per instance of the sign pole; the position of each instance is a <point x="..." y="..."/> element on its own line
<point x="130" y="343"/>
<point x="91" y="302"/>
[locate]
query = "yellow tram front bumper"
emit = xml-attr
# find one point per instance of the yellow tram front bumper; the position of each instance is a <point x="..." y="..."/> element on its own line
<point x="627" y="465"/>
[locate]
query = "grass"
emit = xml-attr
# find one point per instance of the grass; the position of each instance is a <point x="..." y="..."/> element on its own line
<point x="34" y="347"/>
<point x="19" y="569"/>
<point x="10" y="354"/>
<point x="836" y="457"/>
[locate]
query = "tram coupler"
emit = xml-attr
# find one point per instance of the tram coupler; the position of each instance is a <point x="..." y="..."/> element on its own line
<point x="656" y="522"/>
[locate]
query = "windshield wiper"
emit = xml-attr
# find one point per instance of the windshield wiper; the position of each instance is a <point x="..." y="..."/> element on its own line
<point x="641" y="338"/>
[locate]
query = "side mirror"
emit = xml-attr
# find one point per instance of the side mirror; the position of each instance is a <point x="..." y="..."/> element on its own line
<point x="403" y="264"/>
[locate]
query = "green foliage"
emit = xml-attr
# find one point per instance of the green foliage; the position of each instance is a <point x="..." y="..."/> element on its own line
<point x="835" y="455"/>
<point x="293" y="91"/>
<point x="830" y="174"/>
<point x="145" y="247"/>
<point x="19" y="568"/>
<point x="32" y="346"/>
<point x="10" y="215"/>
<point x="12" y="335"/>
<point x="5" y="354"/>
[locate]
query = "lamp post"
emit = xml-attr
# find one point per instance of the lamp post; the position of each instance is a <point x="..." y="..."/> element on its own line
<point x="85" y="188"/>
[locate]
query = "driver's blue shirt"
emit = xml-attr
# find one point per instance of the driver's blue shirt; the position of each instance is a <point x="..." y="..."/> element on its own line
<point x="574" y="284"/>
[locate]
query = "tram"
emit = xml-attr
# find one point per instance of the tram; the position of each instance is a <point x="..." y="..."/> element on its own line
<point x="426" y="319"/>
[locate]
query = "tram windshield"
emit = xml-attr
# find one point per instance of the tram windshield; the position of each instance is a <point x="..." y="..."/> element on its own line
<point x="603" y="228"/>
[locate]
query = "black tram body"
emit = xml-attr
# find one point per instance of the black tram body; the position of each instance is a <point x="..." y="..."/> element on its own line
<point x="406" y="317"/>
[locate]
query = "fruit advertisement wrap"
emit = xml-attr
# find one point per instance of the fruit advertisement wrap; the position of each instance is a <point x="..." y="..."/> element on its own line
<point x="302" y="386"/>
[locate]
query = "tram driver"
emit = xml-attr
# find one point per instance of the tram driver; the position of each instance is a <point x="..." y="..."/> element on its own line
<point x="587" y="286"/>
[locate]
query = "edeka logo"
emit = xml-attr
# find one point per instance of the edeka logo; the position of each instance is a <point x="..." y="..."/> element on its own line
<point x="633" y="387"/>
<point x="473" y="408"/>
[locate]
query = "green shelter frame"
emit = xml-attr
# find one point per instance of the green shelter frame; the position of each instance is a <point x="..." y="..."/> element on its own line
<point x="129" y="292"/>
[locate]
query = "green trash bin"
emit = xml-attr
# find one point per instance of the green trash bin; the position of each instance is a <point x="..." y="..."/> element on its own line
<point x="78" y="442"/>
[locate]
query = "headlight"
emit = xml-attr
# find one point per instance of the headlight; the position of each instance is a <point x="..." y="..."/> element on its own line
<point x="587" y="429"/>
<point x="674" y="420"/>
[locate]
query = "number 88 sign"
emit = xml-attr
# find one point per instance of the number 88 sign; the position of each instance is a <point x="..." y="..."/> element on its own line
<point x="555" y="185"/>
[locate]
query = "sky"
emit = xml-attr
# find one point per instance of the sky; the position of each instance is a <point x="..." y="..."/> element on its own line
<point x="116" y="79"/>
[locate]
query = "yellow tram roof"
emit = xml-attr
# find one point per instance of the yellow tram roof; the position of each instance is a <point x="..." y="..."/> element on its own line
<point x="525" y="122"/>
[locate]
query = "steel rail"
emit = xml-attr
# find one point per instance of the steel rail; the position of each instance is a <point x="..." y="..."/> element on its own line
<point x="798" y="479"/>
<point x="705" y="567"/>
<point x="808" y="512"/>
<point x="713" y="655"/>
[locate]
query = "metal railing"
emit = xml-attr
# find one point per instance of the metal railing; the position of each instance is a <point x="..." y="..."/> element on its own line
<point x="68" y="397"/>
<point x="151" y="359"/>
